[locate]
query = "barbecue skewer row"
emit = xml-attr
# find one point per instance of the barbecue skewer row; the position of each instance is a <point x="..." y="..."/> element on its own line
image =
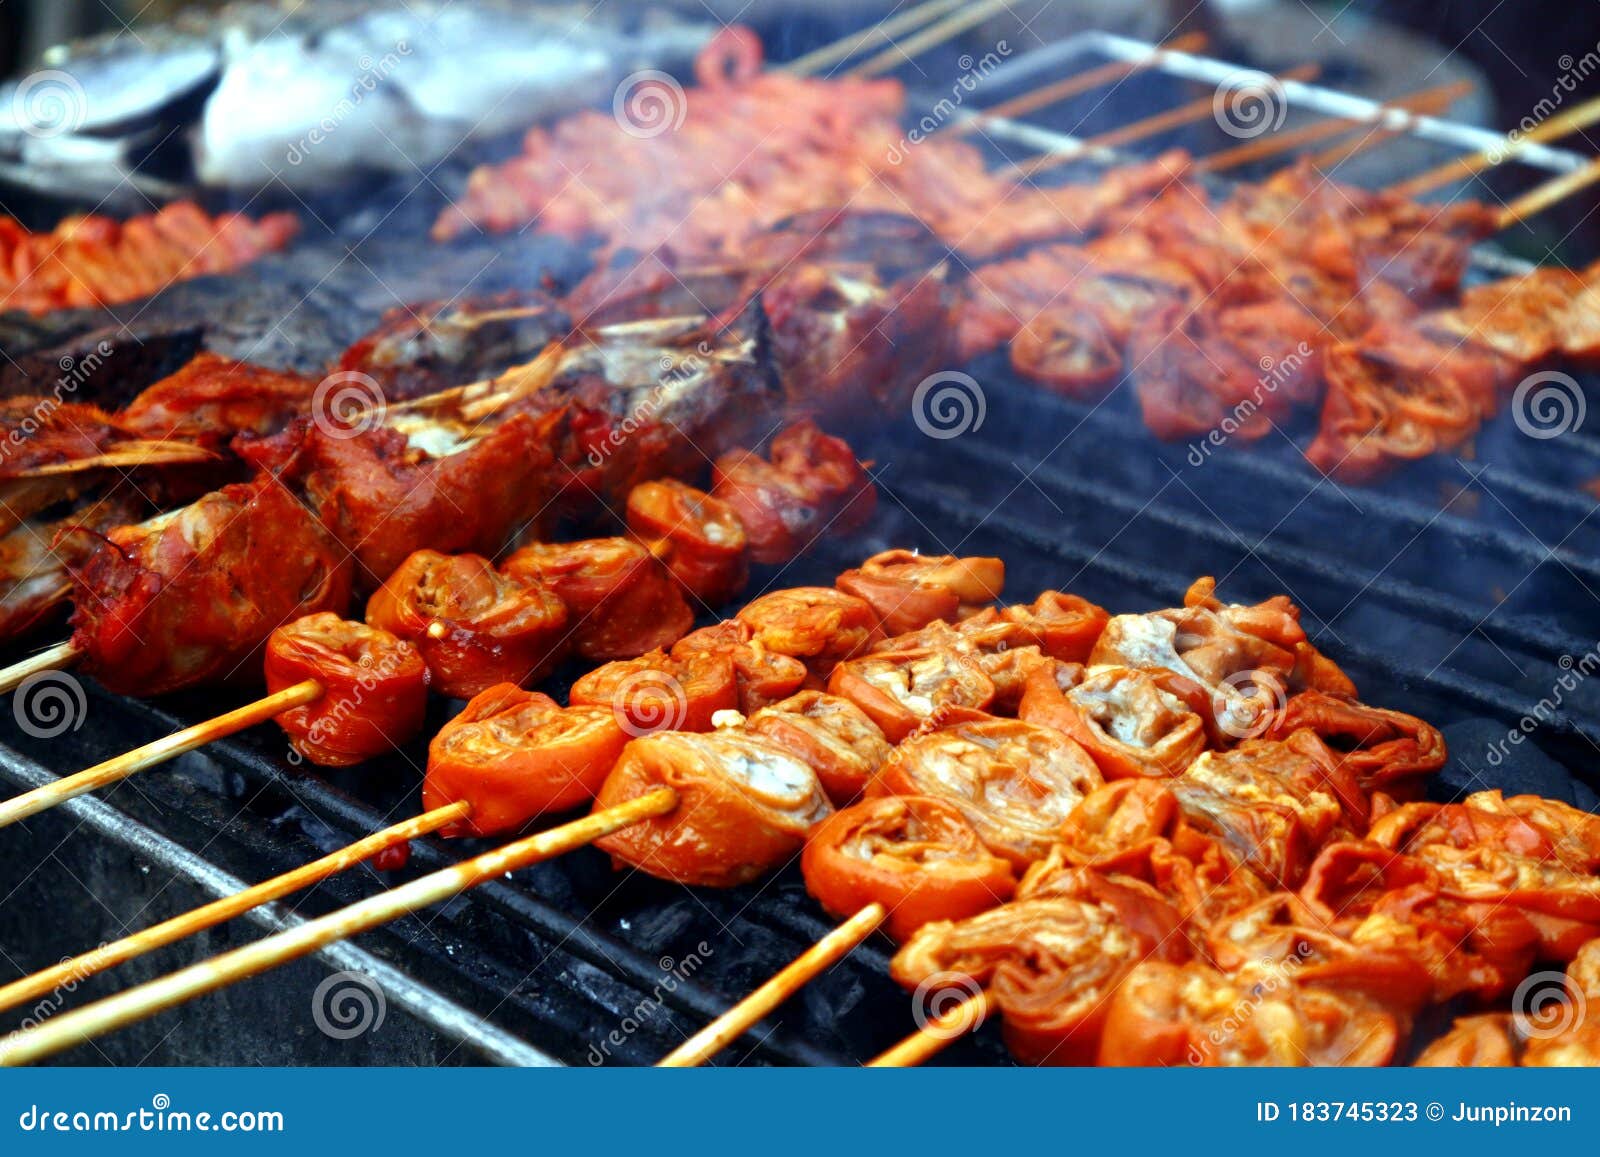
<point x="377" y="682"/>
<point x="462" y="626"/>
<point x="1220" y="862"/>
<point x="806" y="620"/>
<point x="588" y="416"/>
<point x="1192" y="292"/>
<point x="1354" y="915"/>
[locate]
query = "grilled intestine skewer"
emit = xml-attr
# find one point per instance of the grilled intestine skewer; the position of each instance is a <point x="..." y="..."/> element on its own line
<point x="1159" y="691"/>
<point x="594" y="415"/>
<point x="463" y="626"/>
<point x="513" y="755"/>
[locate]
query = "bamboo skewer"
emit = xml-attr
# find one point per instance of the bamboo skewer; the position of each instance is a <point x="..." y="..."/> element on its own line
<point x="1571" y="121"/>
<point x="1426" y="101"/>
<point x="847" y="46"/>
<point x="1542" y="197"/>
<point x="937" y="33"/>
<point x="821" y="956"/>
<point x="77" y="969"/>
<point x="50" y="659"/>
<point x="1197" y="110"/>
<point x="933" y="1037"/>
<point x="167" y="747"/>
<point x="146" y="1000"/>
<point x="1080" y="83"/>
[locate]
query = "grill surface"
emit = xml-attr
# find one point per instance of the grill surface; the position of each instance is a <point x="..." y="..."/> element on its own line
<point x="1459" y="591"/>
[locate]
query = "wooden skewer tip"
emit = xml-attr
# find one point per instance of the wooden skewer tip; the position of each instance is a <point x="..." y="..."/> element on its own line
<point x="738" y="1020"/>
<point x="143" y="758"/>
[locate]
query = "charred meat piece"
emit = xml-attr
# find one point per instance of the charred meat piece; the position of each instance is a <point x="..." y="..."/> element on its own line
<point x="191" y="597"/>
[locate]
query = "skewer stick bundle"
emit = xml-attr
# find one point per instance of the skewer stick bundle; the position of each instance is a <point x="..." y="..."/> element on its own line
<point x="1426" y="102"/>
<point x="1150" y="126"/>
<point x="843" y="49"/>
<point x="1080" y="83"/>
<point x="146" y="1000"/>
<point x="1571" y="121"/>
<point x="935" y="34"/>
<point x="79" y="968"/>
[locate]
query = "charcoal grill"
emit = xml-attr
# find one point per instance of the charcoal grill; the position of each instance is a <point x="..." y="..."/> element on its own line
<point x="1460" y="590"/>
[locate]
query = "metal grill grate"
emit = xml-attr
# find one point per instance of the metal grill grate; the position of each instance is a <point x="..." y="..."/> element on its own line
<point x="1456" y="591"/>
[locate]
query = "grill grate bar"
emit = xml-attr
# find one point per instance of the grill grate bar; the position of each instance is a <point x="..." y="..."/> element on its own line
<point x="1436" y="606"/>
